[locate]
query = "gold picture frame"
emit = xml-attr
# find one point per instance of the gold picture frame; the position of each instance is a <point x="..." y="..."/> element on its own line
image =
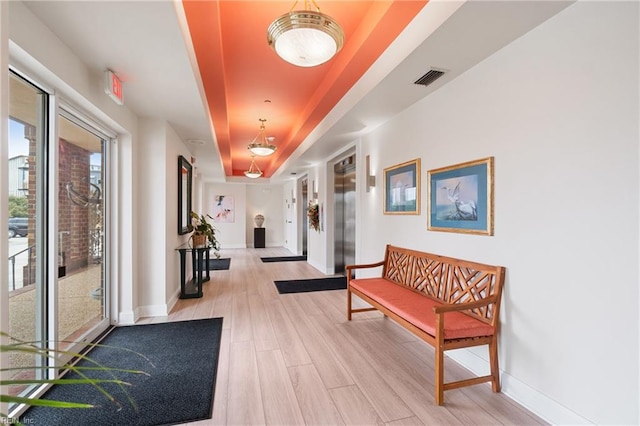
<point x="185" y="182"/>
<point x="461" y="197"/>
<point x="402" y="188"/>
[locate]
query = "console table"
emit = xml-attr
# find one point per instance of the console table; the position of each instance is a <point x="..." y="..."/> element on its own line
<point x="199" y="261"/>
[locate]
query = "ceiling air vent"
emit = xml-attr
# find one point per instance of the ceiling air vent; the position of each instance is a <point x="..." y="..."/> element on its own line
<point x="429" y="77"/>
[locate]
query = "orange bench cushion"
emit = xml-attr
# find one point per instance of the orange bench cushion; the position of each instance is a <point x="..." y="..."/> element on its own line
<point x="418" y="309"/>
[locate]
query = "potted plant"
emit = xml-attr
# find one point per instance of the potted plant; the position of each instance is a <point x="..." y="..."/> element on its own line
<point x="203" y="231"/>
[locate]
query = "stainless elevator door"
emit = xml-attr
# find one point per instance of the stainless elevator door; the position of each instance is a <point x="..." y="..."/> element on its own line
<point x="345" y="214"/>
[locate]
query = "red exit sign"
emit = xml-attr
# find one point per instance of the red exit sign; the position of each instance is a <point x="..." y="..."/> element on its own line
<point x="113" y="87"/>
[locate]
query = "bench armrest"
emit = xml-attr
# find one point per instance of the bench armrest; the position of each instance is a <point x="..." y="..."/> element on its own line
<point x="351" y="268"/>
<point x="450" y="307"/>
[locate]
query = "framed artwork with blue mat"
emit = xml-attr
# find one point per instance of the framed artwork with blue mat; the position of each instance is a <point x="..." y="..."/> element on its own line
<point x="461" y="198"/>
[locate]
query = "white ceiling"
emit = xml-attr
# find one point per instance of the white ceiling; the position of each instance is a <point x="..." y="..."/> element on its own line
<point x="142" y="42"/>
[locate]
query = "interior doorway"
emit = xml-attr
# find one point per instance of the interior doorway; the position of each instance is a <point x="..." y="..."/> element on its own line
<point x="345" y="213"/>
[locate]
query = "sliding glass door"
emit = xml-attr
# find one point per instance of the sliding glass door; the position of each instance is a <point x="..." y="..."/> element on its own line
<point x="81" y="273"/>
<point x="28" y="110"/>
<point x="58" y="230"/>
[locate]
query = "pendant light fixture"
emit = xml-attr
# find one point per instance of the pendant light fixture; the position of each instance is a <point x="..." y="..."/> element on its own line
<point x="260" y="146"/>
<point x="254" y="171"/>
<point x="305" y="38"/>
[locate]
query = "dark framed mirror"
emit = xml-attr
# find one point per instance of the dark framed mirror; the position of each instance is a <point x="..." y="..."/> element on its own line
<point x="184" y="196"/>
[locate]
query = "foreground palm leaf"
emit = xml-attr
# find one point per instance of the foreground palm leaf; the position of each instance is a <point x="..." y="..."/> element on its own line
<point x="32" y="348"/>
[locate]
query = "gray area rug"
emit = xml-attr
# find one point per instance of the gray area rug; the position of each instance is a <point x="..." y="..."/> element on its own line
<point x="181" y="360"/>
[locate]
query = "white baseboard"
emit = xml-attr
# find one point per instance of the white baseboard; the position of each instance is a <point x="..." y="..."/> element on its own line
<point x="319" y="267"/>
<point x="126" y="318"/>
<point x="534" y="401"/>
<point x="130" y="318"/>
<point x="234" y="246"/>
<point x="153" y="311"/>
<point x="174" y="299"/>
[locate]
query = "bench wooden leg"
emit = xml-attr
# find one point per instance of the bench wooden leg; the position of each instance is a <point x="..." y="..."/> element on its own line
<point x="348" y="304"/>
<point x="439" y="369"/>
<point x="439" y="350"/>
<point x="493" y="360"/>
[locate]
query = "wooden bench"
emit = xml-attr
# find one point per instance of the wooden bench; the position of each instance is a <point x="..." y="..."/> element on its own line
<point x="449" y="303"/>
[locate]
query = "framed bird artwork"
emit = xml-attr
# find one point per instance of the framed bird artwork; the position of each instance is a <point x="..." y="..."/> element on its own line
<point x="461" y="198"/>
<point x="402" y="188"/>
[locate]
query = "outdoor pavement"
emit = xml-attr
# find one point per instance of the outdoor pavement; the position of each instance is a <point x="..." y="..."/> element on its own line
<point x="17" y="245"/>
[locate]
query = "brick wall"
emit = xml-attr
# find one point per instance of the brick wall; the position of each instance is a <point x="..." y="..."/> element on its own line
<point x="73" y="218"/>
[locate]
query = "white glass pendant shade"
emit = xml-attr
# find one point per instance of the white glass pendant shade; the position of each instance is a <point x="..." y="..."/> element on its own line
<point x="262" y="150"/>
<point x="254" y="171"/>
<point x="260" y="146"/>
<point x="252" y="175"/>
<point x="305" y="38"/>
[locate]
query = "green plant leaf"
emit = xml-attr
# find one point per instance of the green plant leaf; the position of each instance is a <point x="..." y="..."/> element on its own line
<point x="43" y="402"/>
<point x="34" y="348"/>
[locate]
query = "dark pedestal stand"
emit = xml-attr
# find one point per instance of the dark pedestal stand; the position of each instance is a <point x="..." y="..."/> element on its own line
<point x="259" y="237"/>
<point x="199" y="261"/>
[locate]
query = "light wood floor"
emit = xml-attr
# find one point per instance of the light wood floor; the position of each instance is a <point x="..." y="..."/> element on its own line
<point x="294" y="359"/>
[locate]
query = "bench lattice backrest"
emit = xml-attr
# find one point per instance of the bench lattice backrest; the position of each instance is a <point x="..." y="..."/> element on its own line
<point x="446" y="279"/>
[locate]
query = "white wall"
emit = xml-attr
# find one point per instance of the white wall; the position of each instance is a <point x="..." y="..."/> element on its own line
<point x="229" y="234"/>
<point x="151" y="232"/>
<point x="318" y="242"/>
<point x="292" y="193"/>
<point x="174" y="148"/>
<point x="267" y="200"/>
<point x="558" y="109"/>
<point x="249" y="200"/>
<point x="158" y="282"/>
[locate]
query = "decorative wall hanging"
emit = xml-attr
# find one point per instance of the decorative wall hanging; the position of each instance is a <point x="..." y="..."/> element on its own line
<point x="223" y="211"/>
<point x="461" y="198"/>
<point x="402" y="188"/>
<point x="313" y="214"/>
